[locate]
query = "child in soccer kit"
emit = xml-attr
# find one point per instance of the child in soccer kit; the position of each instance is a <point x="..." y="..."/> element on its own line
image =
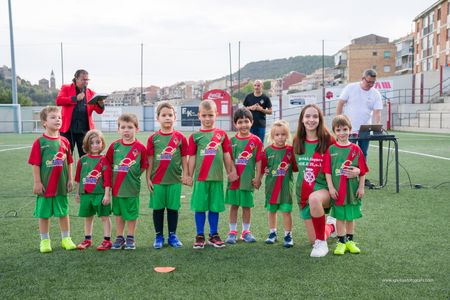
<point x="209" y="150"/>
<point x="247" y="149"/>
<point x="93" y="176"/>
<point x="346" y="199"/>
<point x="52" y="161"/>
<point x="278" y="163"/>
<point x="167" y="160"/>
<point x="128" y="158"/>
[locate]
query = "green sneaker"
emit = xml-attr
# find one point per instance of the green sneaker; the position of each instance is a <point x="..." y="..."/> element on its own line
<point x="351" y="246"/>
<point x="46" y="246"/>
<point x="340" y="249"/>
<point x="67" y="243"/>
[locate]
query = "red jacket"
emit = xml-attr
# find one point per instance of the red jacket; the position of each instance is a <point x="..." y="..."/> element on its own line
<point x="64" y="99"/>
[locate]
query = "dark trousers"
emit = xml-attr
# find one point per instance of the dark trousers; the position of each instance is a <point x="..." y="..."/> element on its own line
<point x="75" y="138"/>
<point x="259" y="132"/>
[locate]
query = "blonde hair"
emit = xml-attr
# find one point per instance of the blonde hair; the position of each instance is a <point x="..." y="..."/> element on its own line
<point x="279" y="124"/>
<point x="208" y="105"/>
<point x="46" y="111"/>
<point x="341" y="121"/>
<point x="129" y="118"/>
<point x="94" y="133"/>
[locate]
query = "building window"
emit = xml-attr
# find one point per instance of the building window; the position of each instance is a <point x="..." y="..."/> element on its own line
<point x="438" y="39"/>
<point x="437" y="64"/>
<point x="374" y="67"/>
<point x="386" y="69"/>
<point x="374" y="53"/>
<point x="438" y="17"/>
<point x="387" y="54"/>
<point x="448" y="32"/>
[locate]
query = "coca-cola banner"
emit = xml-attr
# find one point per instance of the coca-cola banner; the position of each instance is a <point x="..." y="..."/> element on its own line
<point x="222" y="100"/>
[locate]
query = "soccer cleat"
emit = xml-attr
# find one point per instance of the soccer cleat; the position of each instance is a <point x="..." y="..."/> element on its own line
<point x="340" y="249"/>
<point x="351" y="246"/>
<point x="215" y="241"/>
<point x="247" y="236"/>
<point x="118" y="244"/>
<point x="105" y="245"/>
<point x="288" y="241"/>
<point x="199" y="241"/>
<point x="231" y="237"/>
<point x="130" y="244"/>
<point x="272" y="238"/>
<point x="173" y="241"/>
<point x="159" y="241"/>
<point x="45" y="246"/>
<point x="84" y="245"/>
<point x="68" y="244"/>
<point x="332" y="221"/>
<point x="320" y="249"/>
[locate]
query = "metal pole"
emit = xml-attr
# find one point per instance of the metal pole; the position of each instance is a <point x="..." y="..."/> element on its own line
<point x="62" y="64"/>
<point x="13" y="69"/>
<point x="142" y="74"/>
<point x="281" y="98"/>
<point x="323" y="77"/>
<point x="239" y="67"/>
<point x="231" y="74"/>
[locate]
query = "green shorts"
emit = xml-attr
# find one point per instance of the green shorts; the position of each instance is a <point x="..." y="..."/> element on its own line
<point x="305" y="213"/>
<point x="91" y="204"/>
<point x="165" y="196"/>
<point x="239" y="198"/>
<point x="126" y="207"/>
<point x="348" y="212"/>
<point x="285" y="207"/>
<point x="47" y="207"/>
<point x="208" y="196"/>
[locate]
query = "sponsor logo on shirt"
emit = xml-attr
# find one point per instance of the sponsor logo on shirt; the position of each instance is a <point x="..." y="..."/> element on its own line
<point x="243" y="158"/>
<point x="341" y="169"/>
<point x="308" y="176"/>
<point x="57" y="160"/>
<point x="124" y="165"/>
<point x="211" y="148"/>
<point x="92" y="177"/>
<point x="166" y="154"/>
<point x="281" y="169"/>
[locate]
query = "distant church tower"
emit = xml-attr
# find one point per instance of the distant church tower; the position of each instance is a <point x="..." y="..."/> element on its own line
<point x="52" y="81"/>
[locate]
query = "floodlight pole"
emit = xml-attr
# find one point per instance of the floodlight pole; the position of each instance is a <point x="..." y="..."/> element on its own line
<point x="13" y="68"/>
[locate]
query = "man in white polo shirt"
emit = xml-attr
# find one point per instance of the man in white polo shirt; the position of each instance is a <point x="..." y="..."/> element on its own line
<point x="363" y="105"/>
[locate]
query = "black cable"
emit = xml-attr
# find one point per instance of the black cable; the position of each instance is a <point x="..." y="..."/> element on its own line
<point x="438" y="185"/>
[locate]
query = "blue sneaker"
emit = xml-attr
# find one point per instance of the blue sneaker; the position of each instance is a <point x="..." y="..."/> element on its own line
<point x="174" y="241"/>
<point x="130" y="244"/>
<point x="118" y="244"/>
<point x="231" y="237"/>
<point x="272" y="238"/>
<point x="288" y="241"/>
<point x="159" y="242"/>
<point x="247" y="237"/>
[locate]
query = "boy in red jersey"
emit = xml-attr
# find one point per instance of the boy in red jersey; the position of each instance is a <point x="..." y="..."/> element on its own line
<point x="52" y="168"/>
<point x="209" y="150"/>
<point x="128" y="158"/>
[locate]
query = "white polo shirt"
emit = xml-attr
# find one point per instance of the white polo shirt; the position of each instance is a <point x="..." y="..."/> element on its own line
<point x="359" y="104"/>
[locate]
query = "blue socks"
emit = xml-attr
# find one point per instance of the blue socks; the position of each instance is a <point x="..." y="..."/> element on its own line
<point x="200" y="219"/>
<point x="213" y="219"/>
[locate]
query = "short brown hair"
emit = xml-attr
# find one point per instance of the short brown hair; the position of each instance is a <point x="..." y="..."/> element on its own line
<point x="242" y="113"/>
<point x="341" y="120"/>
<point x="89" y="136"/>
<point x="208" y="105"/>
<point x="129" y="118"/>
<point x="164" y="105"/>
<point x="46" y="110"/>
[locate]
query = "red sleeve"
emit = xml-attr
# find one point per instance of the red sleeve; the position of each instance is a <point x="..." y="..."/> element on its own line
<point x="65" y="97"/>
<point x="226" y="145"/>
<point x="35" y="154"/>
<point x="107" y="173"/>
<point x="293" y="162"/>
<point x="109" y="154"/>
<point x="78" y="171"/>
<point x="259" y="150"/>
<point x="263" y="161"/>
<point x="184" y="145"/>
<point x="69" y="154"/>
<point x="327" y="162"/>
<point x="362" y="165"/>
<point x="144" y="160"/>
<point x="192" y="148"/>
<point x="150" y="146"/>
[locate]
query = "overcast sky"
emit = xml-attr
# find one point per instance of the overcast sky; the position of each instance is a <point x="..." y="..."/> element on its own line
<point x="184" y="40"/>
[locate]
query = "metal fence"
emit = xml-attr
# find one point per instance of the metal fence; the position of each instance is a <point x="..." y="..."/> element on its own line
<point x="422" y="119"/>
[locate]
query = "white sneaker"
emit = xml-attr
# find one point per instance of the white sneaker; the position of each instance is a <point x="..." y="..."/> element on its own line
<point x="331" y="220"/>
<point x="320" y="249"/>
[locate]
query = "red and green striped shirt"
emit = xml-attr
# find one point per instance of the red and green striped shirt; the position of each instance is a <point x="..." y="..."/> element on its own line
<point x="94" y="173"/>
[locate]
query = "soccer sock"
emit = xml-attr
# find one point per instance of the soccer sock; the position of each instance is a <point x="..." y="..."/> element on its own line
<point x="350" y="237"/>
<point x="342" y="239"/>
<point x="287" y="232"/>
<point x="88" y="237"/>
<point x="213" y="219"/>
<point x="273" y="230"/>
<point x="107" y="238"/>
<point x="200" y="218"/>
<point x="233" y="226"/>
<point x="245" y="226"/>
<point x="172" y="220"/>
<point x="329" y="228"/>
<point x="65" y="233"/>
<point x="45" y="236"/>
<point x="319" y="227"/>
<point x="158" y="221"/>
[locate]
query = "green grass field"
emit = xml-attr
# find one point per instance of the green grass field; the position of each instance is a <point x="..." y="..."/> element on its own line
<point x="404" y="240"/>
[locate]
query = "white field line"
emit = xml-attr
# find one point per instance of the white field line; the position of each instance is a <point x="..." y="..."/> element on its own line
<point x="415" y="153"/>
<point x="3" y="150"/>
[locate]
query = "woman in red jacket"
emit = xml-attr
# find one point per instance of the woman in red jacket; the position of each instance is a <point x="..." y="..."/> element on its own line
<point x="76" y="112"/>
